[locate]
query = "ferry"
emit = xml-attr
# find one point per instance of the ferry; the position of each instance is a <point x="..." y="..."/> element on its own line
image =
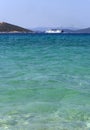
<point x="54" y="31"/>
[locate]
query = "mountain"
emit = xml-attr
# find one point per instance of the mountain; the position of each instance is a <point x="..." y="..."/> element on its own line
<point x="85" y="30"/>
<point x="7" y="27"/>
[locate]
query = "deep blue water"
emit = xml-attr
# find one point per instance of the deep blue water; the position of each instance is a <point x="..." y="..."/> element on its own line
<point x="44" y="82"/>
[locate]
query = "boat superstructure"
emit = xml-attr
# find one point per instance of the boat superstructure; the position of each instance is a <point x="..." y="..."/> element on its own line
<point x="54" y="31"/>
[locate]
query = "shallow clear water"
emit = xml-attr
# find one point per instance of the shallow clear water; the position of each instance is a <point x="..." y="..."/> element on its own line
<point x="44" y="82"/>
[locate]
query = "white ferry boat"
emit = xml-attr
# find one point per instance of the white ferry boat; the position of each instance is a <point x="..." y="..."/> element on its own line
<point x="54" y="31"/>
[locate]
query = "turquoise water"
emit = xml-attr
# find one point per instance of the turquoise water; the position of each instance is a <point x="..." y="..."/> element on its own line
<point x="44" y="82"/>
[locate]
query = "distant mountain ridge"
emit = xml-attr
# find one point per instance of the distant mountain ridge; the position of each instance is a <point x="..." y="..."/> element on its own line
<point x="10" y="28"/>
<point x="85" y="30"/>
<point x="7" y="27"/>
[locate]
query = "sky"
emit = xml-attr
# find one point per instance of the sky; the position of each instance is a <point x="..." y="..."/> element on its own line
<point x="46" y="13"/>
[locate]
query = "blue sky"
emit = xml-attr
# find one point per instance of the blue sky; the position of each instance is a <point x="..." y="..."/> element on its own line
<point x="44" y="13"/>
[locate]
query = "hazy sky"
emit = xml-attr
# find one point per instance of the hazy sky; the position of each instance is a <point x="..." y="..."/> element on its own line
<point x="44" y="13"/>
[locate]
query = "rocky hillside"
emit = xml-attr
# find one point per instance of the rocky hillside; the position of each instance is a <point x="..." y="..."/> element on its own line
<point x="6" y="27"/>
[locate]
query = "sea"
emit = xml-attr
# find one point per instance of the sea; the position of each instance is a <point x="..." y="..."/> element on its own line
<point x="44" y="81"/>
